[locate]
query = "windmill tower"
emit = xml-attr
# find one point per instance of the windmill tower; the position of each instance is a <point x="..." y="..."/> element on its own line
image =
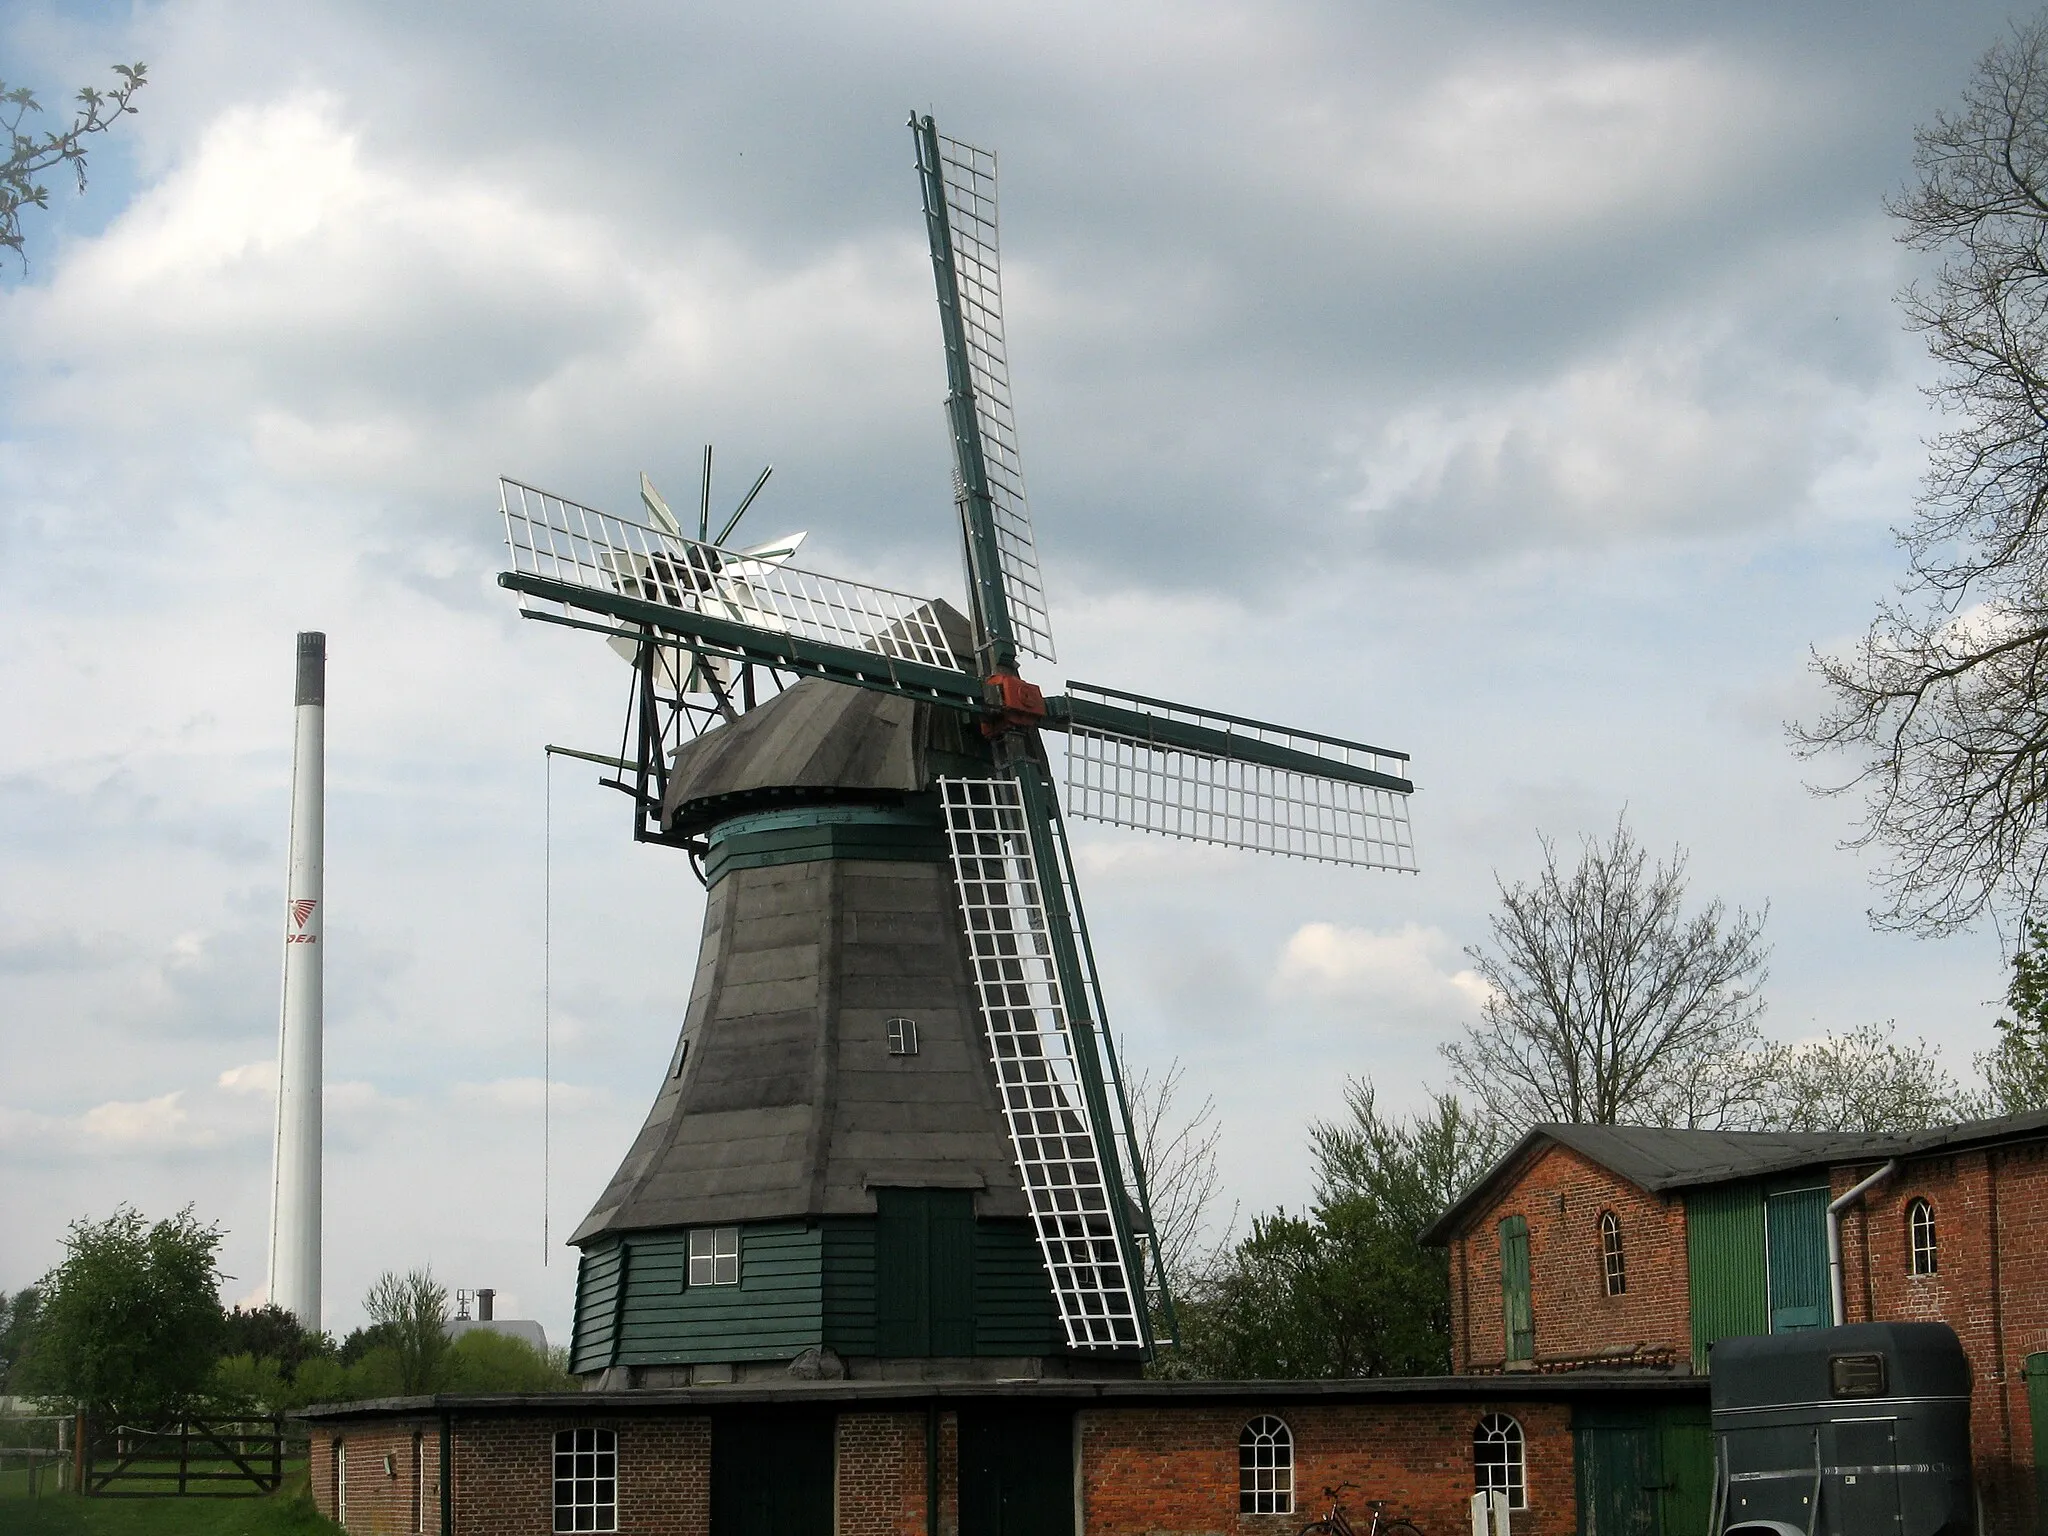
<point x="892" y="1139"/>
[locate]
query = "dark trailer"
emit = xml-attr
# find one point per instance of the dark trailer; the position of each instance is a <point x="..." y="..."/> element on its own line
<point x="1848" y="1431"/>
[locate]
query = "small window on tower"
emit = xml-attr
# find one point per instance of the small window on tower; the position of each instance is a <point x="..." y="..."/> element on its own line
<point x="714" y="1256"/>
<point x="902" y="1037"/>
<point x="1611" y="1263"/>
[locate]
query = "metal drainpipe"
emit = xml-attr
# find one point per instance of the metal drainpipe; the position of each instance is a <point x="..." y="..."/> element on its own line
<point x="1835" y="1209"/>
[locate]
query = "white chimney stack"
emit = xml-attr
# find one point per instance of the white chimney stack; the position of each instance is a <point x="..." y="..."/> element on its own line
<point x="295" y="1193"/>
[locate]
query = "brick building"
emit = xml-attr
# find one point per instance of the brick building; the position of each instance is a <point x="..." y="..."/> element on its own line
<point x="876" y="1459"/>
<point x="1627" y="1248"/>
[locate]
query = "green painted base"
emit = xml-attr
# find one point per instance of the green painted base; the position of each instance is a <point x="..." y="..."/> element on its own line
<point x="912" y="832"/>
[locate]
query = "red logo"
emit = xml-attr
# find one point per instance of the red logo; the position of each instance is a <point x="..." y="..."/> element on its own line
<point x="302" y="912"/>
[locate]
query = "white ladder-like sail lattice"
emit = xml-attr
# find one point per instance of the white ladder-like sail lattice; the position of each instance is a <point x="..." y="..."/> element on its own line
<point x="969" y="176"/>
<point x="1031" y="1043"/>
<point x="563" y="541"/>
<point x="1216" y="798"/>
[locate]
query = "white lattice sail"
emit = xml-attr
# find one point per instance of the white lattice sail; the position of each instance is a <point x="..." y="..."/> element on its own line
<point x="563" y="541"/>
<point x="969" y="177"/>
<point x="1218" y="797"/>
<point x="1031" y="1043"/>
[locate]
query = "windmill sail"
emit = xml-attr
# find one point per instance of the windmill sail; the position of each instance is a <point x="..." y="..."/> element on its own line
<point x="751" y="606"/>
<point x="1070" y="1180"/>
<point x="1184" y="772"/>
<point x="960" y="214"/>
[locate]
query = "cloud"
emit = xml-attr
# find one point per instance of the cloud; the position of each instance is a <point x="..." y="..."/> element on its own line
<point x="523" y="1094"/>
<point x="256" y="1077"/>
<point x="161" y="1121"/>
<point x="1362" y="969"/>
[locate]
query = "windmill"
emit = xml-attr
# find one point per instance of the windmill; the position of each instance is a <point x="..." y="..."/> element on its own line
<point x="781" y="716"/>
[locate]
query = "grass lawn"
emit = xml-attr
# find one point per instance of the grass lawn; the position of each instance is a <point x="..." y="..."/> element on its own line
<point x="290" y="1513"/>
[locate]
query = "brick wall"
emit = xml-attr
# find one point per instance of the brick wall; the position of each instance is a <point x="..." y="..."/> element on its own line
<point x="881" y="1474"/>
<point x="1561" y="1195"/>
<point x="383" y="1497"/>
<point x="1990" y="1285"/>
<point x="504" y="1475"/>
<point x="1147" y="1472"/>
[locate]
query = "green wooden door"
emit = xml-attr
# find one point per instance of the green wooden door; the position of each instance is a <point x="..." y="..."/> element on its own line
<point x="1796" y="1230"/>
<point x="2037" y="1409"/>
<point x="771" y="1472"/>
<point x="1619" y="1475"/>
<point x="1686" y="1442"/>
<point x="924" y="1272"/>
<point x="1517" y="1309"/>
<point x="1724" y="1240"/>
<point x="1016" y="1470"/>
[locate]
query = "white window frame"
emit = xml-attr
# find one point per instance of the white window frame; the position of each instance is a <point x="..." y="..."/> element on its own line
<point x="586" y="1479"/>
<point x="419" y="1481"/>
<point x="1265" y="1467"/>
<point x="1923" y="1240"/>
<point x="1509" y="1471"/>
<point x="714" y="1256"/>
<point x="1613" y="1263"/>
<point x="341" y="1483"/>
<point x="902" y="1037"/>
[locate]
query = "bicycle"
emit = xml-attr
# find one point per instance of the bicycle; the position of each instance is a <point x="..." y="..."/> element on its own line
<point x="1337" y="1523"/>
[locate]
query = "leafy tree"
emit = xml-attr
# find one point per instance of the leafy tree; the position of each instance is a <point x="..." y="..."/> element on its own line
<point x="484" y="1361"/>
<point x="1345" y="1289"/>
<point x="413" y="1308"/>
<point x="1864" y="1080"/>
<point x="18" y="1315"/>
<point x="130" y="1323"/>
<point x="31" y="154"/>
<point x="1943" y="704"/>
<point x="272" y="1332"/>
<point x="2016" y="1069"/>
<point x="1607" y="1004"/>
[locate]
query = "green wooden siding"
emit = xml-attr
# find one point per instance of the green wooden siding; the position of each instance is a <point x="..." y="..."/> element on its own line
<point x="597" y="1282"/>
<point x="1725" y="1256"/>
<point x="1013" y="1306"/>
<point x="849" y="1254"/>
<point x="1517" y="1307"/>
<point x="807" y="1284"/>
<point x="1795" y="1227"/>
<point x="924" y="1272"/>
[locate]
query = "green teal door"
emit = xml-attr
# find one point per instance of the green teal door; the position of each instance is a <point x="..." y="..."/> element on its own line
<point x="1795" y="1223"/>
<point x="1016" y="1470"/>
<point x="1643" y="1471"/>
<point x="1517" y="1309"/>
<point x="924" y="1272"/>
<point x="2037" y="1410"/>
<point x="1619" y="1475"/>
<point x="771" y="1472"/>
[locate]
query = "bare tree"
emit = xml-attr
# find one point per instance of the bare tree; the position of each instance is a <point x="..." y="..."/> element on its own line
<point x="30" y="154"/>
<point x="1944" y="702"/>
<point x="1607" y="1004"/>
<point x="1864" y="1080"/>
<point x="1179" y="1154"/>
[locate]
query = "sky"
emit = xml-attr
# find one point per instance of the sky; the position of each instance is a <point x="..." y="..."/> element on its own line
<point x="1518" y="386"/>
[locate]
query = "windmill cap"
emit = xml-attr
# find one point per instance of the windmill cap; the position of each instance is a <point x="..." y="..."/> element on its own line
<point x="312" y="688"/>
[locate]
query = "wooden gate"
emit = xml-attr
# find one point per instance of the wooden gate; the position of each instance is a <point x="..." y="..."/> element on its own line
<point x="213" y="1458"/>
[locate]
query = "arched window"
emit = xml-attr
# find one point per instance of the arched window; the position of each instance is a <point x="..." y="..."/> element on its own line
<point x="1612" y="1268"/>
<point x="1920" y="1236"/>
<point x="1497" y="1460"/>
<point x="586" y="1480"/>
<point x="1265" y="1467"/>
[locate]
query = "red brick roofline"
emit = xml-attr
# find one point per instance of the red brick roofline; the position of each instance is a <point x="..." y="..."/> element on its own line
<point x="1656" y="1159"/>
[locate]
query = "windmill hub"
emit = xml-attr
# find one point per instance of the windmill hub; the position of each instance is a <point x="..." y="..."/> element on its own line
<point x="893" y="1134"/>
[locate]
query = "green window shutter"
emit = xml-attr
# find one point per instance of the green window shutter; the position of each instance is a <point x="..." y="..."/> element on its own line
<point x="1517" y="1310"/>
<point x="1724" y="1227"/>
<point x="951" y="1247"/>
<point x="1796" y="1230"/>
<point x="902" y="1273"/>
